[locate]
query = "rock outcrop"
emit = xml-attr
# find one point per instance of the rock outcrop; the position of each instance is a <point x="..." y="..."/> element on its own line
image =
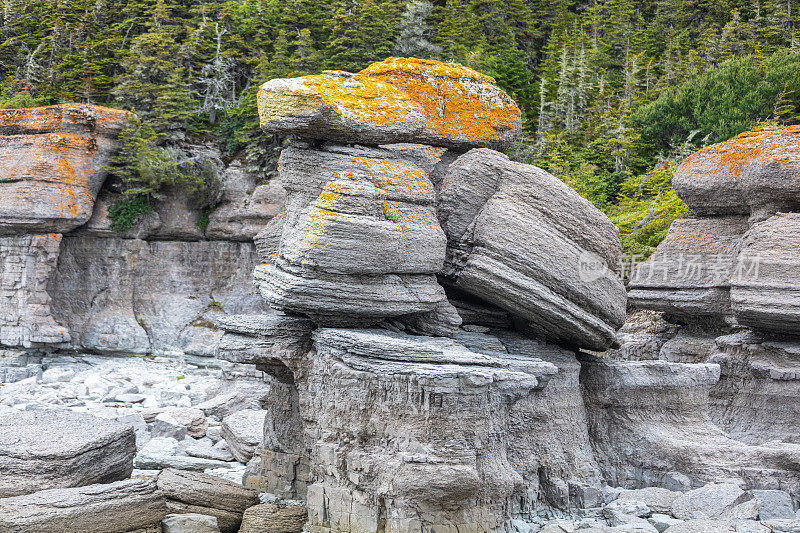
<point x="59" y="449"/>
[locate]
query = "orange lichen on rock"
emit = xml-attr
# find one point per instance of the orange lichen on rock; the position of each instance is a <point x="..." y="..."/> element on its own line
<point x="53" y="162"/>
<point x="461" y="105"/>
<point x="396" y="100"/>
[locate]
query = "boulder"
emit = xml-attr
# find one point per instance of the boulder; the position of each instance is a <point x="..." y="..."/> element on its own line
<point x="360" y="241"/>
<point x="54" y="162"/>
<point x="659" y="500"/>
<point x="272" y="518"/>
<point x="199" y="493"/>
<point x="396" y="100"/>
<point x="119" y="507"/>
<point x="462" y="108"/>
<point x="775" y="504"/>
<point x="27" y="265"/>
<point x="57" y="449"/>
<point x="243" y="431"/>
<point x="700" y="526"/>
<point x="756" y="173"/>
<point x="689" y="275"/>
<point x="189" y="523"/>
<point x="765" y="289"/>
<point x="523" y="240"/>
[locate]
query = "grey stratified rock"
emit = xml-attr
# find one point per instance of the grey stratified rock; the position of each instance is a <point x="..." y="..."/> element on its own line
<point x="243" y="431"/>
<point x="775" y="504"/>
<point x="54" y="161"/>
<point x="246" y="206"/>
<point x="758" y="396"/>
<point x="27" y="265"/>
<point x="523" y="240"/>
<point x="262" y="339"/>
<point x="360" y="241"/>
<point x="414" y="385"/>
<point x="649" y="421"/>
<point x="161" y="452"/>
<point x="120" y="507"/>
<point x="189" y="523"/>
<point x="755" y="173"/>
<point x="765" y="291"/>
<point x="196" y="492"/>
<point x="689" y="275"/>
<point x="53" y="449"/>
<point x="443" y="321"/>
<point x="272" y="518"/>
<point x="709" y="502"/>
<point x="163" y="302"/>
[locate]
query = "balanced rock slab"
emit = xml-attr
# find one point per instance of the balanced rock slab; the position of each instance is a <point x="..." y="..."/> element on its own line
<point x="119" y="507"/>
<point x="360" y="241"/>
<point x="765" y="292"/>
<point x="54" y="162"/>
<point x="396" y="100"/>
<point x="523" y="240"/>
<point x="56" y="449"/>
<point x="689" y="274"/>
<point x="756" y="173"/>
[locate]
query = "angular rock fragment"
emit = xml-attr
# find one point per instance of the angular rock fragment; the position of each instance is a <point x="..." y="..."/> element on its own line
<point x="55" y="449"/>
<point x="119" y="507"/>
<point x="54" y="162"/>
<point x="194" y="492"/>
<point x="523" y="240"/>
<point x="189" y="523"/>
<point x="243" y="431"/>
<point x="689" y="275"/>
<point x="765" y="289"/>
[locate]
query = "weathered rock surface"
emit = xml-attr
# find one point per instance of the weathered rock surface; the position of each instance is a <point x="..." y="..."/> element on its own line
<point x="756" y="173"/>
<point x="200" y="493"/>
<point x="189" y="523"/>
<point x="56" y="449"/>
<point x="135" y="296"/>
<point x="243" y="431"/>
<point x="397" y="100"/>
<point x="523" y="240"/>
<point x="689" y="276"/>
<point x="360" y="241"/>
<point x="650" y="426"/>
<point x="53" y="161"/>
<point x="262" y="339"/>
<point x="120" y="507"/>
<point x="272" y="518"/>
<point x="766" y="294"/>
<point x="27" y="264"/>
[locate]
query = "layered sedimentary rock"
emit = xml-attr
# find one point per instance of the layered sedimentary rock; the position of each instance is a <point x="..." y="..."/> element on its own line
<point x="755" y="173"/>
<point x="360" y="241"/>
<point x="649" y="422"/>
<point x="523" y="240"/>
<point x="765" y="291"/>
<point x="27" y="264"/>
<point x="121" y="507"/>
<point x="53" y="161"/>
<point x="689" y="275"/>
<point x="134" y="296"/>
<point x="397" y="100"/>
<point x="49" y="449"/>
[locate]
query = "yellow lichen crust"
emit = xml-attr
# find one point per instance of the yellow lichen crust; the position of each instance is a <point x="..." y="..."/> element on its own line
<point x="334" y="101"/>
<point x="460" y="104"/>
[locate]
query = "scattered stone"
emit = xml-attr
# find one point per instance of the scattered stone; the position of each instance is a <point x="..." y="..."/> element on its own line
<point x="243" y="431"/>
<point x="775" y="504"/>
<point x="709" y="502"/>
<point x="58" y="448"/>
<point x="662" y="522"/>
<point x="657" y="499"/>
<point x="700" y="526"/>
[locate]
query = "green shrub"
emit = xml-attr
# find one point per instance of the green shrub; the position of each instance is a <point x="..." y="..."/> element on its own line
<point x="124" y="213"/>
<point x="391" y="214"/>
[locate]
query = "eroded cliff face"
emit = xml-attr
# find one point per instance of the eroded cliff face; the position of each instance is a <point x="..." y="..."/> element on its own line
<point x="155" y="288"/>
